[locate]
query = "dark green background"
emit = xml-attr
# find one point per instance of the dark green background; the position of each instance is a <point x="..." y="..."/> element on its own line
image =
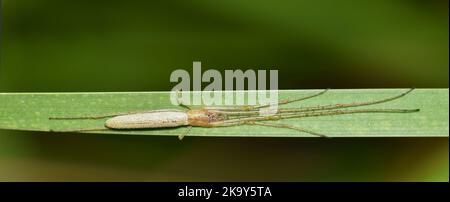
<point x="86" y="45"/>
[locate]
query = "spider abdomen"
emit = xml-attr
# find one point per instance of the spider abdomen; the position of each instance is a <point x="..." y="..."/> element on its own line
<point x="156" y="119"/>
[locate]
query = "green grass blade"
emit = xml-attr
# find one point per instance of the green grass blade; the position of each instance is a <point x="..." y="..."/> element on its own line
<point x="30" y="111"/>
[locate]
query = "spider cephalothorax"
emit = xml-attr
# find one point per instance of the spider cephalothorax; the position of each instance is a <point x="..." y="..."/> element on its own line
<point x="203" y="117"/>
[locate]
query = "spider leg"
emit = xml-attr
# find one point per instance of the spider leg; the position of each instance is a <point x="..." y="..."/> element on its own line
<point x="313" y="114"/>
<point x="101" y="116"/>
<point x="276" y="125"/>
<point x="287" y="101"/>
<point x="91" y="116"/>
<point x="180" y="102"/>
<point x="81" y="129"/>
<point x="252" y="110"/>
<point x="256" y="107"/>
<point x="349" y="105"/>
<point x="182" y="135"/>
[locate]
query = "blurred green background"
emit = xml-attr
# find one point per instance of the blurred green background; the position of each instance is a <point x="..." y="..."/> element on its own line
<point x="87" y="45"/>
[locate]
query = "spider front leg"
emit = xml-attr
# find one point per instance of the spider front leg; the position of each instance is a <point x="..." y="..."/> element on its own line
<point x="257" y="107"/>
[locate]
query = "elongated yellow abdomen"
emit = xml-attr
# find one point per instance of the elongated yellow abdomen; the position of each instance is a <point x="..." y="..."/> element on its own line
<point x="152" y="119"/>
